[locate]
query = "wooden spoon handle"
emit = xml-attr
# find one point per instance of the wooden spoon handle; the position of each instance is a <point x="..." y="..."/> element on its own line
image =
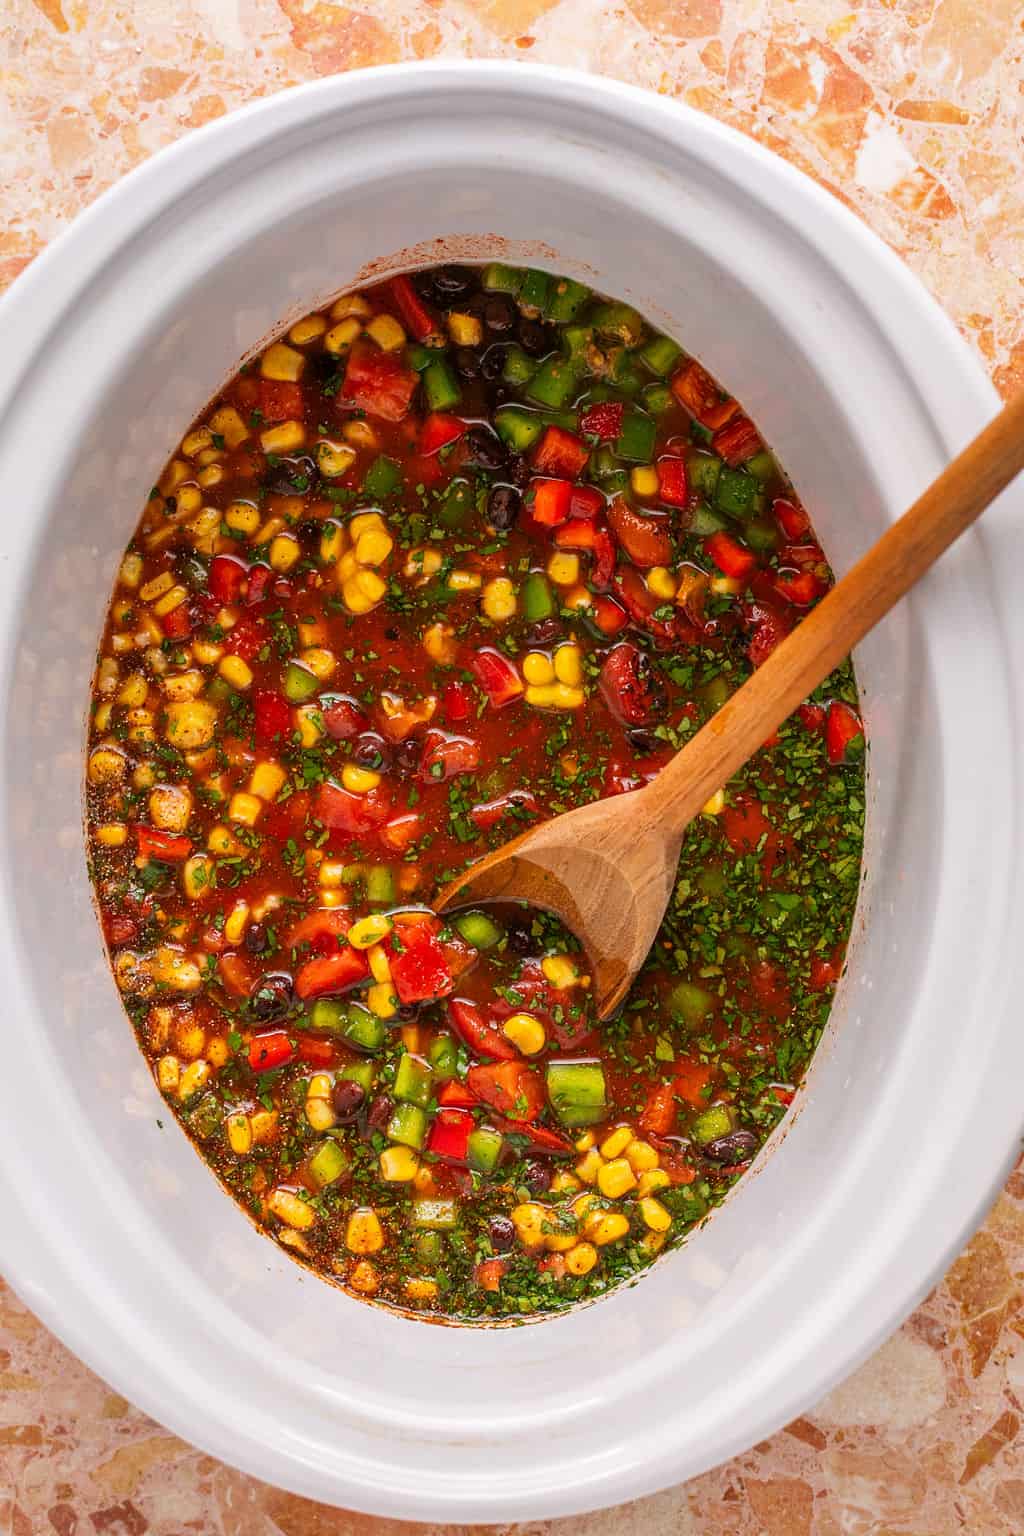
<point x="875" y="584"/>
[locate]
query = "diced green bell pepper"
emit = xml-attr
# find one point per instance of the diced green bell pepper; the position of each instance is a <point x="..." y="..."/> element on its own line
<point x="300" y="683"/>
<point x="577" y="340"/>
<point x="440" y="385"/>
<point x="501" y="279"/>
<point x="702" y="472"/>
<point x="414" y="1080"/>
<point x="576" y="1090"/>
<point x="762" y="466"/>
<point x="603" y="463"/>
<point x="408" y="1126"/>
<point x="419" y="356"/>
<point x="435" y="1215"/>
<point x="538" y="599"/>
<point x="484" y="1148"/>
<point x="518" y="429"/>
<point x="565" y="299"/>
<point x="618" y="320"/>
<point x="714" y="693"/>
<point x="657" y="398"/>
<point x="458" y="505"/>
<point x="443" y="1055"/>
<point x="636" y="440"/>
<point x="362" y="1072"/>
<point x="717" y="1121"/>
<point x="660" y="355"/>
<point x="705" y="520"/>
<point x="518" y="368"/>
<point x="382" y="477"/>
<point x="737" y="494"/>
<point x="690" y="1003"/>
<point x="380" y="885"/>
<point x="428" y="1248"/>
<point x="327" y="1014"/>
<point x="625" y="375"/>
<point x="533" y="292"/>
<point x="328" y="1163"/>
<point x="554" y="383"/>
<point x="479" y="930"/>
<point x="762" y="535"/>
<point x="352" y="1022"/>
<point x="219" y="690"/>
<point x="207" y="1117"/>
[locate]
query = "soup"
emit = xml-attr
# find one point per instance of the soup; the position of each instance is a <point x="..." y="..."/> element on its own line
<point x="461" y="551"/>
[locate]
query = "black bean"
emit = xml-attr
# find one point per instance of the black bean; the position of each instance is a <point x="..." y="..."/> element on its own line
<point x="518" y="470"/>
<point x="392" y="633"/>
<point x="348" y="1098"/>
<point x="257" y="939"/>
<point x="492" y="363"/>
<point x="452" y="282"/>
<point x="271" y="997"/>
<point x="467" y="362"/>
<point x="371" y="751"/>
<point x="534" y="338"/>
<point x="503" y="506"/>
<point x="408" y="754"/>
<point x="293" y="476"/>
<point x="381" y="1111"/>
<point x="502" y="1233"/>
<point x="423" y="282"/>
<point x="499" y="314"/>
<point x="537" y="1178"/>
<point x="518" y="938"/>
<point x="545" y="631"/>
<point x="485" y="448"/>
<point x="323" y="365"/>
<point x="643" y="741"/>
<point x="737" y="1147"/>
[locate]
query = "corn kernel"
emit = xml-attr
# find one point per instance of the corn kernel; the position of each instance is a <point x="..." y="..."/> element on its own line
<point x="465" y="330"/>
<point x="365" y="1278"/>
<point x="560" y="971"/>
<point x="374" y="546"/>
<point x="235" y="671"/>
<point x="170" y="600"/>
<point x="380" y="965"/>
<point x="245" y="809"/>
<point x="661" y="582"/>
<point x="101" y="716"/>
<point x="359" y="781"/>
<point x="228" y="424"/>
<point x="204" y="530"/>
<point x="196" y="441"/>
<point x="217" y="1051"/>
<point x="264" y="1126"/>
<point x="212" y="475"/>
<point x="168" y="1073"/>
<point x="585" y="1141"/>
<point x="652" y="1243"/>
<point x="564" y="568"/>
<point x="285" y="550"/>
<point x="440" y="644"/>
<point x="285" y="438"/>
<point x="525" y="1032"/>
<point x="173" y="475"/>
<point x="589" y="1166"/>
<point x="569" y="665"/>
<point x="170" y="968"/>
<point x="581" y="1259"/>
<point x="307" y="329"/>
<point x="369" y="930"/>
<point x="398" y="1165"/>
<point x="464" y="581"/>
<point x="239" y="1134"/>
<point x="221" y="840"/>
<point x="267" y="780"/>
<point x="113" y="835"/>
<point x="370" y="585"/>
<point x="616" y="1141"/>
<point x="420" y="1289"/>
<point x="190" y="725"/>
<point x="195" y="1076"/>
<point x="107" y="765"/>
<point x="133" y="691"/>
<point x="309" y="722"/>
<point x="332" y="458"/>
<point x="726" y="586"/>
<point x="616" y="1178"/>
<point x="236" y="922"/>
<point x="350" y="304"/>
<point x="422" y="562"/>
<point x="654" y="1214"/>
<point x="197" y="876"/>
<point x="189" y="499"/>
<point x="564" y="1181"/>
<point x="641" y="1156"/>
<point x="189" y="1039"/>
<point x="386" y="332"/>
<point x="652" y="1179"/>
<point x="340" y="337"/>
<point x="529" y="1221"/>
<point x="130" y="573"/>
<point x="537" y="668"/>
<point x="554" y="696"/>
<point x="282" y="362"/>
<point x="605" y="1227"/>
<point x="644" y="480"/>
<point x="498" y="599"/>
<point x="363" y="1232"/>
<point x="157" y="587"/>
<point x="170" y="807"/>
<point x="716" y="805"/>
<point x="242" y="518"/>
<point x="332" y="542"/>
<point x="319" y="1108"/>
<point x="185" y="685"/>
<point x="291" y="1209"/>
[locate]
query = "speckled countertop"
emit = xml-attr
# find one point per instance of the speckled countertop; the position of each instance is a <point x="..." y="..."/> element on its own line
<point x="911" y="111"/>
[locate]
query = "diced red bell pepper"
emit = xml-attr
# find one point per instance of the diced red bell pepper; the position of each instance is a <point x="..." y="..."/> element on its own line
<point x="738" y="441"/>
<point x="269" y="1051"/>
<point x="672" y="1160"/>
<point x="261" y="579"/>
<point x="418" y="320"/>
<point x="586" y="501"/>
<point x="782" y="1094"/>
<point x="272" y="717"/>
<point x="609" y="617"/>
<point x="768" y="629"/>
<point x="822" y="974"/>
<point x="321" y="930"/>
<point x="280" y="400"/>
<point x="457" y="703"/>
<point x="343" y="719"/>
<point x="155" y="844"/>
<point x="510" y="1087"/>
<point x="444" y="757"/>
<point x="341" y="811"/>
<point x="316" y="1052"/>
<point x="594" y="538"/>
<point x="455" y="1095"/>
<point x="401" y="831"/>
<point x="449" y="1135"/>
<point x="420" y="969"/>
<point x="119" y="929"/>
<point x="812" y="717"/>
<point x="560" y="453"/>
<point x="697" y="391"/>
<point x="672" y="486"/>
<point x="690" y="1081"/>
<point x="226" y="578"/>
<point x="658" y="1116"/>
<point x="540" y="1138"/>
<point x="438" y="430"/>
<point x="791" y="518"/>
<point x="730" y="556"/>
<point x="800" y="588"/>
<point x="482" y="1038"/>
<point x="497" y="675"/>
<point x="627" y="685"/>
<point x="520" y="803"/>
<point x="843" y="730"/>
<point x="329" y="974"/>
<point x="489" y="1274"/>
<point x="177" y="625"/>
<point x="603" y="420"/>
<point x="643" y="537"/>
<point x="246" y="638"/>
<point x="379" y="383"/>
<point x="548" y="502"/>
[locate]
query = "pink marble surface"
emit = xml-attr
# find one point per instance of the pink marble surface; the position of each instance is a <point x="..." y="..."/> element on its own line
<point x="911" y="112"/>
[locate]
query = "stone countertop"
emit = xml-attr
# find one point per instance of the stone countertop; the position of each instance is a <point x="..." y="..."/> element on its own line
<point x="911" y="112"/>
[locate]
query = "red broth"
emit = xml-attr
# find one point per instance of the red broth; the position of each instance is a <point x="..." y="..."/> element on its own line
<point x="463" y="551"/>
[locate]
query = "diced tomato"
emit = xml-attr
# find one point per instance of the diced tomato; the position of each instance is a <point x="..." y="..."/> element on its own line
<point x="586" y="501"/>
<point x="604" y="420"/>
<point x="823" y="973"/>
<point x="791" y="518"/>
<point x="269" y="1051"/>
<point x="560" y="453"/>
<point x="343" y="719"/>
<point x="119" y="929"/>
<point x="326" y="975"/>
<point x="401" y="831"/>
<point x="844" y="733"/>
<point x="738" y="441"/>
<point x="438" y="430"/>
<point x="482" y="1038"/>
<point x="379" y="383"/>
<point x="801" y="588"/>
<point x="455" y="1095"/>
<point x="672" y="486"/>
<point x="272" y="718"/>
<point x="246" y="638"/>
<point x="420" y="969"/>
<point x="341" y="811"/>
<point x="320" y="930"/>
<point x="672" y="1160"/>
<point x="782" y="1094"/>
<point x="609" y="616"/>
<point x="698" y="393"/>
<point x="730" y="556"/>
<point x="768" y="628"/>
<point x="177" y="625"/>
<point x="627" y="685"/>
<point x="603" y="568"/>
<point x="658" y="1116"/>
<point x="280" y="400"/>
<point x="317" y="1052"/>
<point x="643" y="537"/>
<point x="510" y="1087"/>
<point x="489" y="1274"/>
<point x="261" y="579"/>
<point x="497" y="676"/>
<point x="444" y="757"/>
<point x="812" y="717"/>
<point x="691" y="1079"/>
<point x="449" y="1135"/>
<point x="236" y="974"/>
<point x="418" y="320"/>
<point x="541" y="1139"/>
<point x="457" y="703"/>
<point x="770" y="987"/>
<point x="155" y="844"/>
<point x="226" y="578"/>
<point x="744" y="824"/>
<point x="520" y="803"/>
<point x="548" y="502"/>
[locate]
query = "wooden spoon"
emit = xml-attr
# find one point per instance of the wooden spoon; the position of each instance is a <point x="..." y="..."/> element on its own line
<point x="607" y="869"/>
